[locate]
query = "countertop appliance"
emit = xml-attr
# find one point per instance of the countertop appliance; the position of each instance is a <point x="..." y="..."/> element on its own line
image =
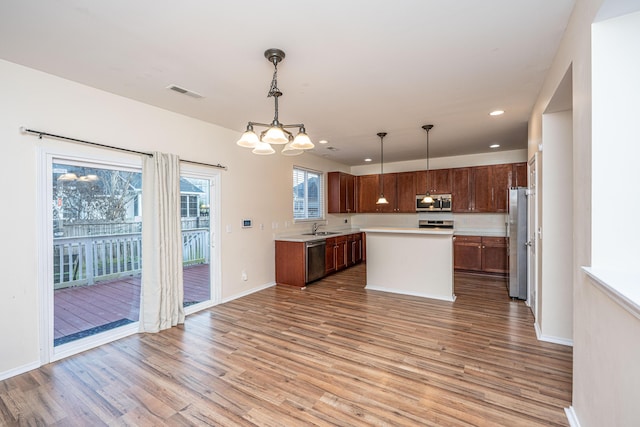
<point x="517" y="235"/>
<point x="314" y="263"/>
<point x="441" y="203"/>
<point x="436" y="223"/>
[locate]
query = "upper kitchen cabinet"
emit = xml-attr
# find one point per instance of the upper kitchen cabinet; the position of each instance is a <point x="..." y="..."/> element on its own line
<point x="439" y="181"/>
<point x="501" y="181"/>
<point x="406" y="192"/>
<point x="461" y="190"/>
<point x="482" y="188"/>
<point x="368" y="192"/>
<point x="399" y="190"/>
<point x="520" y="175"/>
<point x="341" y="192"/>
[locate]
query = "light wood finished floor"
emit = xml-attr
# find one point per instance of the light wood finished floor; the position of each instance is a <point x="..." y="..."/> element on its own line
<point x="331" y="355"/>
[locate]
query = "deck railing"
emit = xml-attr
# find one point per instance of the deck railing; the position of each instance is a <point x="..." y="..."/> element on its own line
<point x="87" y="260"/>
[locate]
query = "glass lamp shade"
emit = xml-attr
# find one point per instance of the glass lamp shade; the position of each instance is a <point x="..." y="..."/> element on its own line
<point x="427" y="198"/>
<point x="382" y="200"/>
<point x="288" y="150"/>
<point x="302" y="141"/>
<point x="263" y="148"/>
<point x="275" y="135"/>
<point x="249" y="139"/>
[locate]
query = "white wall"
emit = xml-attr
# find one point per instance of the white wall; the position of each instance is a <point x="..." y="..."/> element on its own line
<point x="556" y="244"/>
<point x="254" y="186"/>
<point x="616" y="146"/>
<point x="606" y="373"/>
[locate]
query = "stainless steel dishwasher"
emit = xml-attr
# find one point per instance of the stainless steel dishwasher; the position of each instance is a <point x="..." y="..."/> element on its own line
<point x="314" y="262"/>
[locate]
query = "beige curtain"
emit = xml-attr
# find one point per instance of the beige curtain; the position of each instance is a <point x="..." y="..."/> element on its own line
<point x="162" y="286"/>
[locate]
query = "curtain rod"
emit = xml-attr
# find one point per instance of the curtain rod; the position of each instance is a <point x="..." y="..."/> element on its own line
<point x="40" y="134"/>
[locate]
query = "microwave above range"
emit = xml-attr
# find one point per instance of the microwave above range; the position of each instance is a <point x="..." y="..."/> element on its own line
<point x="441" y="203"/>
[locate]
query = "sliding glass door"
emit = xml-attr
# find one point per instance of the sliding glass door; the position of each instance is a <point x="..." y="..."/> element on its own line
<point x="96" y="248"/>
<point x="198" y="209"/>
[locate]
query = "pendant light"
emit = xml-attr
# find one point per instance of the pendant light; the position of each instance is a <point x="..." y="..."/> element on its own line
<point x="382" y="200"/>
<point x="427" y="197"/>
<point x="276" y="132"/>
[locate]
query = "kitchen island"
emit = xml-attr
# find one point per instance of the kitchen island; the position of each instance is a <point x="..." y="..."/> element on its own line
<point x="411" y="261"/>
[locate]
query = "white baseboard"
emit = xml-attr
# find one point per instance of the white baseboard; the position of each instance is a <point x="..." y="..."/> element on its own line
<point x="547" y="338"/>
<point x="572" y="417"/>
<point x="19" y="370"/>
<point x="249" y="292"/>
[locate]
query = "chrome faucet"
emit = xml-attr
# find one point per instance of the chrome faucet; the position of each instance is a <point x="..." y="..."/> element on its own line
<point x="314" y="228"/>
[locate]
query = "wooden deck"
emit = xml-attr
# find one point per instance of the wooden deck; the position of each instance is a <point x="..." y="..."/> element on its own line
<point x="334" y="354"/>
<point x="88" y="308"/>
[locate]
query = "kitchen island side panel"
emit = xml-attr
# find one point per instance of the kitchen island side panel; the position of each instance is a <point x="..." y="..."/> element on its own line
<point x="412" y="264"/>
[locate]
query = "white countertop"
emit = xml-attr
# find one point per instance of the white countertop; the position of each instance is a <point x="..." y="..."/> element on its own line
<point x="310" y="237"/>
<point x="407" y="230"/>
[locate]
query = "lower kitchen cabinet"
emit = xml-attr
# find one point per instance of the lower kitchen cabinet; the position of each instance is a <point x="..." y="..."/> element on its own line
<point x="343" y="251"/>
<point x="480" y="254"/>
<point x="494" y="255"/>
<point x="290" y="263"/>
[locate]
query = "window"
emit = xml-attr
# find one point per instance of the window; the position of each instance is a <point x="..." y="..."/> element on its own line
<point x="188" y="205"/>
<point x="308" y="194"/>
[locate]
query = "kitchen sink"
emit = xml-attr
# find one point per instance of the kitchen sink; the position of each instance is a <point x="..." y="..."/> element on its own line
<point x="320" y="233"/>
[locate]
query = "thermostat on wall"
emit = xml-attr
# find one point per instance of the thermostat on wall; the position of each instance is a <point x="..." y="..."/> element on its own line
<point x="247" y="223"/>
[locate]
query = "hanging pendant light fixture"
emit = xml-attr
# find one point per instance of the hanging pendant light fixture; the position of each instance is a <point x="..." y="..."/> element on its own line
<point x="382" y="200"/>
<point x="427" y="198"/>
<point x="276" y="132"/>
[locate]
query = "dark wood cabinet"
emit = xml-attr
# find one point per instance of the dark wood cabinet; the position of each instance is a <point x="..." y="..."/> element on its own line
<point x="330" y="256"/>
<point x="354" y="249"/>
<point x="494" y="255"/>
<point x="341" y="192"/>
<point x="480" y="254"/>
<point x="405" y="200"/>
<point x="482" y="188"/>
<point x="501" y="181"/>
<point x="520" y="175"/>
<point x="290" y="263"/>
<point x="461" y="190"/>
<point x="467" y="253"/>
<point x="368" y="192"/>
<point x="437" y="181"/>
<point x="389" y="181"/>
<point x="399" y="189"/>
<point x="473" y="189"/>
<point x="341" y="253"/>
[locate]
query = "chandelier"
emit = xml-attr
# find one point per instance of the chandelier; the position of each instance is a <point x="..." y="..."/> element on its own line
<point x="275" y="133"/>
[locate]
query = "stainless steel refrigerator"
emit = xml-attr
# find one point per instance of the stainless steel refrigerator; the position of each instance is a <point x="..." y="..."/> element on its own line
<point x="517" y="234"/>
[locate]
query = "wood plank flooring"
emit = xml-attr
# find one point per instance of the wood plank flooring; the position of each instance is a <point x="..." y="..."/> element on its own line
<point x="331" y="355"/>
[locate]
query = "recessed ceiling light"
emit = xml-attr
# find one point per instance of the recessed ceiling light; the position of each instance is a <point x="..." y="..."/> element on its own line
<point x="494" y="146"/>
<point x="323" y="141"/>
<point x="367" y="160"/>
<point x="496" y="113"/>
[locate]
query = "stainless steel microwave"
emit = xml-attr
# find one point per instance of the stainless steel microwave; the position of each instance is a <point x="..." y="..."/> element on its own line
<point x="441" y="203"/>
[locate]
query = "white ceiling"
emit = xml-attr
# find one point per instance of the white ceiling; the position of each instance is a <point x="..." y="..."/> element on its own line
<point x="353" y="67"/>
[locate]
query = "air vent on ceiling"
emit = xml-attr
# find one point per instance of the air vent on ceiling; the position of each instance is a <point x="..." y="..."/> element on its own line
<point x="185" y="91"/>
<point x="331" y="148"/>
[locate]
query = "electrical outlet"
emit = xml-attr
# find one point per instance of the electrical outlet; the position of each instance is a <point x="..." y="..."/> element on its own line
<point x="244" y="276"/>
